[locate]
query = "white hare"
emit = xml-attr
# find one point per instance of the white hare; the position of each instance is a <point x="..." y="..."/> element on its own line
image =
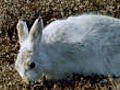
<point x="82" y="44"/>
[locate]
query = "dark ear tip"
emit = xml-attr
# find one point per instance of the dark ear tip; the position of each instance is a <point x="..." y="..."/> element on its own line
<point x="39" y="18"/>
<point x="21" y="19"/>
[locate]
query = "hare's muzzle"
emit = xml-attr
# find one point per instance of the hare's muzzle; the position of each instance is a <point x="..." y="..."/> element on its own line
<point x="27" y="82"/>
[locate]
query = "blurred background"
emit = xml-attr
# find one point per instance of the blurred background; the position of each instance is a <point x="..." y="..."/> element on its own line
<point x="13" y="10"/>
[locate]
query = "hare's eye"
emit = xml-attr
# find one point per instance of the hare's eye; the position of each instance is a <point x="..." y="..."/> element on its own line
<point x="32" y="65"/>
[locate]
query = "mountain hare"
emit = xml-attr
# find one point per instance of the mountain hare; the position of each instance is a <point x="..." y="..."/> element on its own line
<point x="82" y="44"/>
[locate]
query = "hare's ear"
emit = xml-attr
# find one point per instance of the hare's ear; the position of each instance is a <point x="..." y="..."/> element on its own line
<point x="22" y="30"/>
<point x="36" y="30"/>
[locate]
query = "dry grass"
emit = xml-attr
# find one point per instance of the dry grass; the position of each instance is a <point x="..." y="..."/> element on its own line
<point x="50" y="10"/>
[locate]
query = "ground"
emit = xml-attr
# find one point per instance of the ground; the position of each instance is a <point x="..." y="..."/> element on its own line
<point x="50" y="10"/>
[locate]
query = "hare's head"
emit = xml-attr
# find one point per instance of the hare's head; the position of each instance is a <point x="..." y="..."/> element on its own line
<point x="28" y="62"/>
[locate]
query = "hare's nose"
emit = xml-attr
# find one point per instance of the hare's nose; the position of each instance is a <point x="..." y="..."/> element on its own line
<point x="32" y="65"/>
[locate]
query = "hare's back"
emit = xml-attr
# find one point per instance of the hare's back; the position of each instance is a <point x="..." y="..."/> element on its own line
<point x="82" y="28"/>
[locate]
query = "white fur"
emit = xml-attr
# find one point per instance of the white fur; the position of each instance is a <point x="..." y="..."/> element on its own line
<point x="82" y="44"/>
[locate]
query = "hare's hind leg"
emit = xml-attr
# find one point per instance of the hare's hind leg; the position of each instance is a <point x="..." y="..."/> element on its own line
<point x="115" y="64"/>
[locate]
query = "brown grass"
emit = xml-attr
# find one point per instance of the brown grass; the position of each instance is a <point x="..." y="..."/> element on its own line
<point x="50" y="10"/>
